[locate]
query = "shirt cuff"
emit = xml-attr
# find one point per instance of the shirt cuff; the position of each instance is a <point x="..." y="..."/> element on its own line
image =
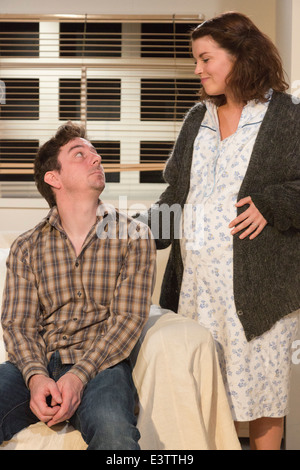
<point x="81" y="374"/>
<point x="33" y="369"/>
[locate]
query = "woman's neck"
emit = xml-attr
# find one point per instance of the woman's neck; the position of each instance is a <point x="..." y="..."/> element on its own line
<point x="229" y="116"/>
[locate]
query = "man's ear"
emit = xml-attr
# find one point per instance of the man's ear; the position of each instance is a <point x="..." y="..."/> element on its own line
<point x="51" y="179"/>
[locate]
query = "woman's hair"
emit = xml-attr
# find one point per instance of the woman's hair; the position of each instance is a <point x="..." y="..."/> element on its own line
<point x="257" y="66"/>
<point x="47" y="157"/>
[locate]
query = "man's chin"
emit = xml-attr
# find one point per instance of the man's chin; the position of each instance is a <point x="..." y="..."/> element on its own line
<point x="101" y="187"/>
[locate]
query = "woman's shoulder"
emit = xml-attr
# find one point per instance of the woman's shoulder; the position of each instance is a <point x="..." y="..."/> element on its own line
<point x="194" y="115"/>
<point x="283" y="113"/>
<point x="198" y="109"/>
<point x="286" y="101"/>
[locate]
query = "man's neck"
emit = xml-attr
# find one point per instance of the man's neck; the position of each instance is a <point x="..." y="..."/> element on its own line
<point x="77" y="218"/>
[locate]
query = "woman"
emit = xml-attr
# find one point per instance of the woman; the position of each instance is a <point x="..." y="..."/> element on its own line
<point x="237" y="161"/>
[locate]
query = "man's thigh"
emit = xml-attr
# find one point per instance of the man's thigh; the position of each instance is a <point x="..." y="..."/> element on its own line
<point x="15" y="413"/>
<point x="107" y="409"/>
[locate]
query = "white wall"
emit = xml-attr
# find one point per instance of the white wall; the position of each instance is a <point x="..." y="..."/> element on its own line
<point x="288" y="37"/>
<point x="295" y="62"/>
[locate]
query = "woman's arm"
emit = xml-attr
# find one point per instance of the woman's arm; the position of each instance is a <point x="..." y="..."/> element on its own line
<point x="280" y="204"/>
<point x="164" y="216"/>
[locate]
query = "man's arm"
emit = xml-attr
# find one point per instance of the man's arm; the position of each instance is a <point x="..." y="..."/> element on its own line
<point x="129" y="310"/>
<point x="21" y="317"/>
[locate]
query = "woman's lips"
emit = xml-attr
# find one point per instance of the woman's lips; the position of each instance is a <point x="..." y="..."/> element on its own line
<point x="203" y="80"/>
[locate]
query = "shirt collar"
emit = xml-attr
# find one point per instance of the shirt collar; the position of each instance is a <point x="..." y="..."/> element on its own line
<point x="251" y="113"/>
<point x="103" y="210"/>
<point x="53" y="218"/>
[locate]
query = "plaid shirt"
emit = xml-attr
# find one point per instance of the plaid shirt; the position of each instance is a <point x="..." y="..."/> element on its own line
<point x="90" y="308"/>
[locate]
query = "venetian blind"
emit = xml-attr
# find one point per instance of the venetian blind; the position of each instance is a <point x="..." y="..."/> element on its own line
<point x="129" y="80"/>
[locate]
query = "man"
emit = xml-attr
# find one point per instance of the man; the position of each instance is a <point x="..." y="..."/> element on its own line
<point x="75" y="302"/>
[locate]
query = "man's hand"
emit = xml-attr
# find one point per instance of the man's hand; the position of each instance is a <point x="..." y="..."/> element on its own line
<point x="251" y="218"/>
<point x="71" y="389"/>
<point x="40" y="388"/>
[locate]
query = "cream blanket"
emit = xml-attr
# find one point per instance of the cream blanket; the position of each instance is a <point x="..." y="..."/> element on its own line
<point x="183" y="404"/>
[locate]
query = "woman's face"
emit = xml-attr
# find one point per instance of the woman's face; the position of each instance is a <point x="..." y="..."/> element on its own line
<point x="213" y="64"/>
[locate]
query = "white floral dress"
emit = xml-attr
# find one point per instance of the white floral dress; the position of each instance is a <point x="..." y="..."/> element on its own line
<point x="256" y="373"/>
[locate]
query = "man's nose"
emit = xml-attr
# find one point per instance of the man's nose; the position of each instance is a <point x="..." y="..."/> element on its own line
<point x="96" y="158"/>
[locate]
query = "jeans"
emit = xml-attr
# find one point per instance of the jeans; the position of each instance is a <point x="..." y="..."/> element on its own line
<point x="105" y="416"/>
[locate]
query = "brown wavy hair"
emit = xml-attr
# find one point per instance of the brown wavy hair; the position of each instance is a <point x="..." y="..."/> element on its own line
<point x="47" y="157"/>
<point x="257" y="66"/>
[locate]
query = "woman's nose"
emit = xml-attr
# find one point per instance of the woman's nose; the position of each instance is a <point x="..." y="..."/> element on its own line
<point x="198" y="69"/>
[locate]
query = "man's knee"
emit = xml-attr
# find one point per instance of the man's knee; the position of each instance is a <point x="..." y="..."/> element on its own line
<point x="12" y="385"/>
<point x="15" y="413"/>
<point x="106" y="413"/>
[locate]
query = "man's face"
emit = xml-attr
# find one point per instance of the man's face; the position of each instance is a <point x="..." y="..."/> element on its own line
<point x="81" y="170"/>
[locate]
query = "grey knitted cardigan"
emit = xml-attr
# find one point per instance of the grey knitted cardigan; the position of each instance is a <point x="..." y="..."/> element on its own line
<point x="266" y="269"/>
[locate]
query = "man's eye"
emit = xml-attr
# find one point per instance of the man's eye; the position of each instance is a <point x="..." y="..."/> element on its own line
<point x="79" y="154"/>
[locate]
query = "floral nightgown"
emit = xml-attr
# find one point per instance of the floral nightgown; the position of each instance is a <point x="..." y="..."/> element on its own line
<point x="256" y="373"/>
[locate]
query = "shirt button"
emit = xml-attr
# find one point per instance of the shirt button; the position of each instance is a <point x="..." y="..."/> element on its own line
<point x="77" y="264"/>
<point x="75" y="319"/>
<point x="64" y="337"/>
<point x="79" y="293"/>
<point x="240" y="313"/>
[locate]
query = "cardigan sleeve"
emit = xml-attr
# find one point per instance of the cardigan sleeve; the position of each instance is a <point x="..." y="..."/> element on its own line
<point x="279" y="204"/>
<point x="277" y="194"/>
<point x="165" y="215"/>
<point x="180" y="159"/>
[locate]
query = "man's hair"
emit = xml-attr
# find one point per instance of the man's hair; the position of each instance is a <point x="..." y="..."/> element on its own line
<point x="47" y="157"/>
<point x="257" y="66"/>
